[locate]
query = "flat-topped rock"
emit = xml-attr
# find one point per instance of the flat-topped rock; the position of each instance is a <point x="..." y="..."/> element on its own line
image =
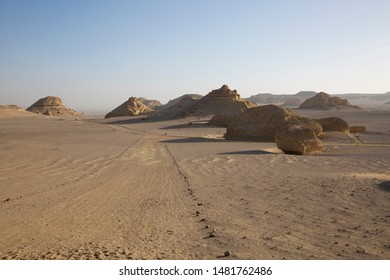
<point x="51" y="106"/>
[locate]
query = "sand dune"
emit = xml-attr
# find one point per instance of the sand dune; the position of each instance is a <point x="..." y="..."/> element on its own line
<point x="130" y="189"/>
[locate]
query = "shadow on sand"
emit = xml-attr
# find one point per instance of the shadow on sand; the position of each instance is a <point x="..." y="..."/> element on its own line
<point x="250" y="152"/>
<point x="194" y="140"/>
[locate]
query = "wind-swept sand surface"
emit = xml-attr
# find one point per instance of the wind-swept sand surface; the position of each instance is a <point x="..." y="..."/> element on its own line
<point x="126" y="188"/>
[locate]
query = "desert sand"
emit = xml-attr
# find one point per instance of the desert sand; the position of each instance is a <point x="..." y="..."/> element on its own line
<point x="129" y="188"/>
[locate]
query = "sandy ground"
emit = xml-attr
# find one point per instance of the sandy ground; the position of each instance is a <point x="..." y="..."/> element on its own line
<point x="125" y="188"/>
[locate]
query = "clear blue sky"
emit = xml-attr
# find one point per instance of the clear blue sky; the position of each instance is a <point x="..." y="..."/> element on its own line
<point x="96" y="54"/>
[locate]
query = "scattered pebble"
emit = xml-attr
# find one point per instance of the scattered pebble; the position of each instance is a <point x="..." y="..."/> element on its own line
<point x="197" y="213"/>
<point x="227" y="253"/>
<point x="212" y="234"/>
<point x="200" y="203"/>
<point x="203" y="219"/>
<point x="206" y="226"/>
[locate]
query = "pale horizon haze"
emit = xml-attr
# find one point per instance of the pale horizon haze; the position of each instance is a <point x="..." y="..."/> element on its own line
<point x="96" y="54"/>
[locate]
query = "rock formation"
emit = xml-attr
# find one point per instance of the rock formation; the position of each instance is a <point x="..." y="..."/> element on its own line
<point x="223" y="102"/>
<point x="152" y="104"/>
<point x="333" y="124"/>
<point x="324" y="101"/>
<point x="261" y="123"/>
<point x="297" y="139"/>
<point x="131" y="107"/>
<point x="178" y="107"/>
<point x="51" y="106"/>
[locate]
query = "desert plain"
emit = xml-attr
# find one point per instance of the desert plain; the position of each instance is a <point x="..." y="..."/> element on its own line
<point x="130" y="188"/>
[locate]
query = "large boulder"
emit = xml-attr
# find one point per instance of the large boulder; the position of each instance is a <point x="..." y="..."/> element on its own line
<point x="51" y="106"/>
<point x="324" y="101"/>
<point x="131" y="107"/>
<point x="297" y="139"/>
<point x="333" y="124"/>
<point x="261" y="123"/>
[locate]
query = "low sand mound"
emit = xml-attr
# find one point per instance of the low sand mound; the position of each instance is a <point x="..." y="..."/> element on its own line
<point x="296" y="139"/>
<point x="152" y="104"/>
<point x="324" y="101"/>
<point x="51" y="106"/>
<point x="333" y="124"/>
<point x="260" y="123"/>
<point x="131" y="107"/>
<point x="10" y="108"/>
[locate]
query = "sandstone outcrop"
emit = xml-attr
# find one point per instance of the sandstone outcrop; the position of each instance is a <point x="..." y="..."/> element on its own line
<point x="179" y="107"/>
<point x="261" y="123"/>
<point x="223" y="102"/>
<point x="324" y="101"/>
<point x="152" y="104"/>
<point x="333" y="124"/>
<point x="131" y="107"/>
<point x="51" y="106"/>
<point x="297" y="139"/>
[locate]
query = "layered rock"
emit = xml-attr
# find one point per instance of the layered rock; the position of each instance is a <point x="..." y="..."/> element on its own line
<point x="152" y="104"/>
<point x="131" y="107"/>
<point x="179" y="107"/>
<point x="333" y="124"/>
<point x="324" y="101"/>
<point x="297" y="139"/>
<point x="261" y="123"/>
<point x="51" y="106"/>
<point x="223" y="102"/>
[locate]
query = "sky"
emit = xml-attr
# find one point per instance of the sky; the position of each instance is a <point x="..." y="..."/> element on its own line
<point x="95" y="54"/>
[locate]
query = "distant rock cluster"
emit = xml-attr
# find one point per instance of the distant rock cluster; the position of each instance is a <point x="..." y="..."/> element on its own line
<point x="324" y="101"/>
<point x="10" y="108"/>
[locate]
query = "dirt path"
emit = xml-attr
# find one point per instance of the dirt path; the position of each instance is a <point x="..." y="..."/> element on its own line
<point x="132" y="206"/>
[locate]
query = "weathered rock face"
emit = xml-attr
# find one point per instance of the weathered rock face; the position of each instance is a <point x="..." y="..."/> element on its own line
<point x="51" y="106"/>
<point x="10" y="108"/>
<point x="224" y="102"/>
<point x="324" y="101"/>
<point x="296" y="139"/>
<point x="261" y="123"/>
<point x="179" y="107"/>
<point x="131" y="107"/>
<point x="152" y="104"/>
<point x="333" y="124"/>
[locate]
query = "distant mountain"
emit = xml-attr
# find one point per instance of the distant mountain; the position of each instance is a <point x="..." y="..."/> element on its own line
<point x="287" y="100"/>
<point x="365" y="100"/>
